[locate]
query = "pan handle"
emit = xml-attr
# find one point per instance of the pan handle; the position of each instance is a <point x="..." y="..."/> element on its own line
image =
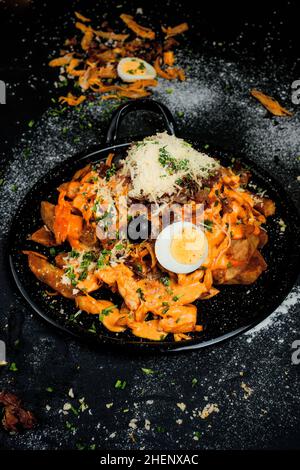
<point x="141" y="104"/>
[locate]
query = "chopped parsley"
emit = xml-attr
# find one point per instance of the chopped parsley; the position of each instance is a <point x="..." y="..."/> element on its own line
<point x="165" y="280"/>
<point x="13" y="367"/>
<point x="171" y="164"/>
<point x="147" y="371"/>
<point x="73" y="254"/>
<point x="120" y="384"/>
<point x="92" y="329"/>
<point x="106" y="311"/>
<point x="71" y="275"/>
<point x="140" y="294"/>
<point x="194" y="382"/>
<point x="208" y="224"/>
<point x="110" y="172"/>
<point x="102" y="258"/>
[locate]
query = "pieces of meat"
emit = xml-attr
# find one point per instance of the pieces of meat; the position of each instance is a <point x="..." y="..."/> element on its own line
<point x="265" y="205"/>
<point x="44" y="237"/>
<point x="49" y="274"/>
<point x="48" y="214"/>
<point x="15" y="417"/>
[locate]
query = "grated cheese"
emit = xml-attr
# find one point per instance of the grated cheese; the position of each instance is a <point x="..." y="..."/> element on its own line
<point x="156" y="165"/>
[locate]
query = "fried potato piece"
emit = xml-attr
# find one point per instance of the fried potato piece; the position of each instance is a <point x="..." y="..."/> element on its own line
<point x="49" y="274"/>
<point x="48" y="214"/>
<point x="179" y="319"/>
<point x="266" y="206"/>
<point x="82" y="172"/>
<point x="60" y="260"/>
<point x="88" y="236"/>
<point x="44" y="237"/>
<point x="66" y="225"/>
<point x="148" y="329"/>
<point x="109" y="313"/>
<point x="251" y="272"/>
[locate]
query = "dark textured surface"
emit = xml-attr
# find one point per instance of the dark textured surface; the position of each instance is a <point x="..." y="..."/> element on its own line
<point x="230" y="59"/>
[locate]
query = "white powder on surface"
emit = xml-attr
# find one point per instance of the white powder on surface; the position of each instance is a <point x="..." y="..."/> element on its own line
<point x="277" y="317"/>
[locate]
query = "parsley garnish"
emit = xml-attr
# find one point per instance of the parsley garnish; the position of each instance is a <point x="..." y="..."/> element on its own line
<point x="120" y="384"/>
<point x="140" y="294"/>
<point x="110" y="172"/>
<point x="148" y="371"/>
<point x="208" y="224"/>
<point x="165" y="280"/>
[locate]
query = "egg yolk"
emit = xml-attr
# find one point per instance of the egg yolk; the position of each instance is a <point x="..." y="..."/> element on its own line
<point x="187" y="246"/>
<point x="134" y="67"/>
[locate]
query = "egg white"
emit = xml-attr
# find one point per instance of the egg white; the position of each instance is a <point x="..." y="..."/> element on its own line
<point x="128" y="77"/>
<point x="163" y="248"/>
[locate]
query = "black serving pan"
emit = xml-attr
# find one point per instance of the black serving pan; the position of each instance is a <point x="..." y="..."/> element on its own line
<point x="234" y="310"/>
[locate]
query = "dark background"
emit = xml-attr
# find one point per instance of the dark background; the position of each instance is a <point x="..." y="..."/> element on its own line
<point x="252" y="35"/>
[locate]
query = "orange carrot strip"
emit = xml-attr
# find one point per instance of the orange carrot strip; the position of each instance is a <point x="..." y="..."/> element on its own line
<point x="111" y="35"/>
<point x="71" y="100"/>
<point x="61" y="61"/>
<point x="169" y="58"/>
<point x="109" y="159"/>
<point x="81" y="17"/>
<point x="87" y="39"/>
<point x="179" y="29"/>
<point x="141" y="31"/>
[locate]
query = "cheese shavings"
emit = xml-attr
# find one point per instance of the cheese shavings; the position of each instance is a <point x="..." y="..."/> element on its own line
<point x="158" y="164"/>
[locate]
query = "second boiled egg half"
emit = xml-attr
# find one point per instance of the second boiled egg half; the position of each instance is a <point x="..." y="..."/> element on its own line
<point x="181" y="247"/>
<point x="131" y="69"/>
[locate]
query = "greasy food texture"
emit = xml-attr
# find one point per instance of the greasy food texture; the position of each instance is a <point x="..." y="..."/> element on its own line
<point x="154" y="302"/>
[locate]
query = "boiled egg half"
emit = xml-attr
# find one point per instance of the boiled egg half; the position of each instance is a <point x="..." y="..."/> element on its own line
<point x="181" y="247"/>
<point x="131" y="69"/>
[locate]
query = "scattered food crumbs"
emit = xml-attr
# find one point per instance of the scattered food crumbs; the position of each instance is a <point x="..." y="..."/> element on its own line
<point x="109" y="405"/>
<point x="83" y="406"/>
<point x="247" y="390"/>
<point x="112" y="435"/>
<point x="71" y="393"/>
<point x="179" y="421"/>
<point x="147" y="424"/>
<point x="282" y="225"/>
<point x="132" y="423"/>
<point x="196" y="436"/>
<point x="208" y="410"/>
<point x="181" y="406"/>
